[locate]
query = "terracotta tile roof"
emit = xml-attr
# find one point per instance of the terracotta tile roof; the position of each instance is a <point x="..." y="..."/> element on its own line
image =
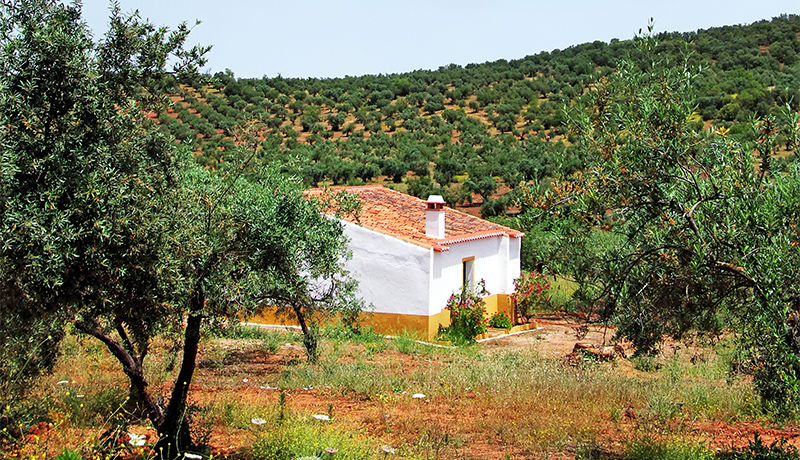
<point x="403" y="216"/>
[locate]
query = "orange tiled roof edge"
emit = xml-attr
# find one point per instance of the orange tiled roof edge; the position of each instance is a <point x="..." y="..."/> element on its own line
<point x="402" y="216"/>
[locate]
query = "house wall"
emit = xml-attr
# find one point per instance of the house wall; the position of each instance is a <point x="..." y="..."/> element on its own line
<point x="393" y="275"/>
<point x="514" y="265"/>
<point x="491" y="264"/>
<point x="408" y="286"/>
<point x="423" y="327"/>
<point x="496" y="261"/>
<point x="499" y="303"/>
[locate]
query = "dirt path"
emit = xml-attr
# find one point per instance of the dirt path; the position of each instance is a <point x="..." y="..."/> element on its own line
<point x="554" y="338"/>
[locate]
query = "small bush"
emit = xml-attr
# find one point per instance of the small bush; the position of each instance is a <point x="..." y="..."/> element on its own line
<point x="645" y="363"/>
<point x="500" y="320"/>
<point x="407" y="344"/>
<point x="67" y="454"/>
<point x="756" y="450"/>
<point x="467" y="312"/>
<point x="300" y="437"/>
<point x="531" y="294"/>
<point x="648" y="449"/>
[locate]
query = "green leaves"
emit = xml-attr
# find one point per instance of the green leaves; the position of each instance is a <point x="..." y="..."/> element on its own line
<point x="109" y="225"/>
<point x="706" y="228"/>
<point x="87" y="192"/>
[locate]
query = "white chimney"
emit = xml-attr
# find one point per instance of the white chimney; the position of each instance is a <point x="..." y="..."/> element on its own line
<point x="434" y="217"/>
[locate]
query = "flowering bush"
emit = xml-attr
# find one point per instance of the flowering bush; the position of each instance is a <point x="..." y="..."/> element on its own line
<point x="467" y="314"/>
<point x="531" y="294"/>
<point x="500" y="320"/>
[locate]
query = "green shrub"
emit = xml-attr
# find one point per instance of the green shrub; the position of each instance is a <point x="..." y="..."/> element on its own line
<point x="645" y="363"/>
<point x="67" y="454"/>
<point x="302" y="437"/>
<point x="500" y="320"/>
<point x="406" y="343"/>
<point x="467" y="312"/>
<point x="756" y="450"/>
<point x="648" y="449"/>
<point x="531" y="293"/>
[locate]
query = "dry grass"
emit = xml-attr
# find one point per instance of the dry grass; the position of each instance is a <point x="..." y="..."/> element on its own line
<point x="481" y="402"/>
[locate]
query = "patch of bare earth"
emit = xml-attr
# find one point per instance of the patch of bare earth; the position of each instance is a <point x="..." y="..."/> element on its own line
<point x="458" y="423"/>
<point x="467" y="417"/>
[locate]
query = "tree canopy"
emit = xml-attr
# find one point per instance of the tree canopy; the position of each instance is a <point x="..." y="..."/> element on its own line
<point x="675" y="231"/>
<point x="111" y="227"/>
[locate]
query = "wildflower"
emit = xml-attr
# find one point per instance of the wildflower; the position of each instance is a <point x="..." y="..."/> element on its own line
<point x="418" y="396"/>
<point x="322" y="417"/>
<point x="258" y="421"/>
<point x="387" y="449"/>
<point x="331" y="450"/>
<point x="136" y="440"/>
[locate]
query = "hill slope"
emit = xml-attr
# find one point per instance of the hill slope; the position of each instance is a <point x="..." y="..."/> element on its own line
<point x="465" y="131"/>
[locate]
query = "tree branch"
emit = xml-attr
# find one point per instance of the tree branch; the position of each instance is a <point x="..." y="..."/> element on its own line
<point x="128" y="345"/>
<point x="130" y="366"/>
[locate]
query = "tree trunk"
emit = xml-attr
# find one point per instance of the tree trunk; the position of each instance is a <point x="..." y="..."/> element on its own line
<point x="132" y="368"/>
<point x="309" y="337"/>
<point x="174" y="436"/>
<point x="134" y="406"/>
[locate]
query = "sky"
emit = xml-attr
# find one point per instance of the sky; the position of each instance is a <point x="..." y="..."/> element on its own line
<point x="322" y="39"/>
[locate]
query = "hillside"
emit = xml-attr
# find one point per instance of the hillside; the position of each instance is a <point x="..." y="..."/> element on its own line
<point x="467" y="131"/>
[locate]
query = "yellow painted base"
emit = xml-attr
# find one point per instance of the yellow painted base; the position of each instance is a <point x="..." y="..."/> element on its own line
<point x="421" y="326"/>
<point x="269" y="316"/>
<point x="498" y="332"/>
<point x="499" y="303"/>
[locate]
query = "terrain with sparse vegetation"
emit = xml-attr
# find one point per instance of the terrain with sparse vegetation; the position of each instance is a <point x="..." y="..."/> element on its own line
<point x="145" y="210"/>
<point x="527" y="396"/>
<point x="469" y="132"/>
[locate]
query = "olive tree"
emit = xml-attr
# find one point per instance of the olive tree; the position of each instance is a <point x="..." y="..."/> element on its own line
<point x="296" y="257"/>
<point x="693" y="232"/>
<point x="109" y="226"/>
<point x="85" y="187"/>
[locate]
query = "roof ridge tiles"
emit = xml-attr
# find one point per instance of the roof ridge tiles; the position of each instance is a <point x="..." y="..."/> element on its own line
<point x="402" y="216"/>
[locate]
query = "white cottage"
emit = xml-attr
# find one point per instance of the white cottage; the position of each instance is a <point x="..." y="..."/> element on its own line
<point x="410" y="255"/>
